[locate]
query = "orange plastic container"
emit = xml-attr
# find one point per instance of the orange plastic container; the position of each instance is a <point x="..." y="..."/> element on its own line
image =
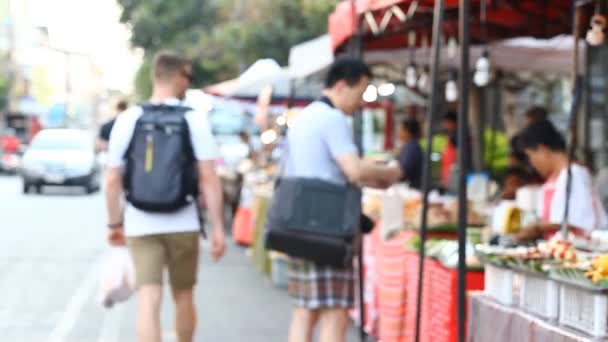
<point x="242" y="227"/>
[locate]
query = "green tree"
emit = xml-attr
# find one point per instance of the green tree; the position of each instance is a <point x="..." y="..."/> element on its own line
<point x="222" y="36"/>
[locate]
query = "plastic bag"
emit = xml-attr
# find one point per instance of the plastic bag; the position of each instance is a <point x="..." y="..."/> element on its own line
<point x="117" y="282"/>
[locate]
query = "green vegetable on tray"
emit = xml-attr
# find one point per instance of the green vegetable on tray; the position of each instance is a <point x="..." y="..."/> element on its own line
<point x="577" y="277"/>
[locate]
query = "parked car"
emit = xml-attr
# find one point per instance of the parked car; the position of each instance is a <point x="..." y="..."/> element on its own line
<point x="61" y="157"/>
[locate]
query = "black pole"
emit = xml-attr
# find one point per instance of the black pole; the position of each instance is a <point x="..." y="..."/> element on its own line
<point x="496" y="108"/>
<point x="356" y="50"/>
<point x="463" y="139"/>
<point x="426" y="177"/>
<point x="572" y="127"/>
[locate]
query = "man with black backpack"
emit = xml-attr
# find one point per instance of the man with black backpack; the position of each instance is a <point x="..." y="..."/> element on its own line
<point x="161" y="155"/>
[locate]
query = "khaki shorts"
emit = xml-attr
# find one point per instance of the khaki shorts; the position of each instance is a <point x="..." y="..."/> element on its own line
<point x="177" y="251"/>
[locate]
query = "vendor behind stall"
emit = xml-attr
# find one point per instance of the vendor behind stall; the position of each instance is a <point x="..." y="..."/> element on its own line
<point x="517" y="155"/>
<point x="546" y="150"/>
<point x="410" y="156"/>
<point x="450" y="154"/>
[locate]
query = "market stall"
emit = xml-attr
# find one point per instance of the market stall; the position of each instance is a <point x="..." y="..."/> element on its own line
<point x="421" y="259"/>
<point x="384" y="26"/>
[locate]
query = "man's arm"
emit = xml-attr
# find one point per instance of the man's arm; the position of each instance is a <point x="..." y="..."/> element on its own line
<point x="534" y="232"/>
<point x="101" y="145"/>
<point x="113" y="195"/>
<point x="368" y="173"/>
<point x="211" y="188"/>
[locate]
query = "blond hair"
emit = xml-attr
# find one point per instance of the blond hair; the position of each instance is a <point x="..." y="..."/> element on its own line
<point x="167" y="64"/>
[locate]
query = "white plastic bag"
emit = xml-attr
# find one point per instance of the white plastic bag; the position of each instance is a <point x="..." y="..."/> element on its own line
<point x="117" y="282"/>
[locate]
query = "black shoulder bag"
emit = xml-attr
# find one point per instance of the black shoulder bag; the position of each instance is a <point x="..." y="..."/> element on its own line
<point x="313" y="219"/>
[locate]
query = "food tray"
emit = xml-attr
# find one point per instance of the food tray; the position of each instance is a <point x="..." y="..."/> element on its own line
<point x="576" y="277"/>
<point x="493" y="259"/>
<point x="535" y="267"/>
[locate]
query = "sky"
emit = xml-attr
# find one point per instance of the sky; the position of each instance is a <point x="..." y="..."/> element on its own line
<point x="91" y="27"/>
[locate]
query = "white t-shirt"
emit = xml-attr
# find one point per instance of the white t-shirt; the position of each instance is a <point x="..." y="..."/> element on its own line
<point x="586" y="211"/>
<point x="138" y="222"/>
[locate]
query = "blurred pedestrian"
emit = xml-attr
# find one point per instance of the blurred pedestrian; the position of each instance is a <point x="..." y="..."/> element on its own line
<point x="410" y="156"/>
<point x="320" y="145"/>
<point x="103" y="137"/>
<point x="161" y="221"/>
<point x="246" y="140"/>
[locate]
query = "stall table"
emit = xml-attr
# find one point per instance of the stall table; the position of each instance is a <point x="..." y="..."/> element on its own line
<point x="491" y="321"/>
<point x="396" y="280"/>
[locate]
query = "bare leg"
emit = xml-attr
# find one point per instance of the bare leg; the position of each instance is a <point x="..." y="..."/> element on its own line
<point x="334" y="323"/>
<point x="148" y="313"/>
<point x="185" y="314"/>
<point x="302" y="325"/>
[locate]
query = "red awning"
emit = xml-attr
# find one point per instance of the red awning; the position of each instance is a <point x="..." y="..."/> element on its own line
<point x="385" y="27"/>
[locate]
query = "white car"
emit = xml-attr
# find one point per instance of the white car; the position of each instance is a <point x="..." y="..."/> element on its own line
<point x="61" y="157"/>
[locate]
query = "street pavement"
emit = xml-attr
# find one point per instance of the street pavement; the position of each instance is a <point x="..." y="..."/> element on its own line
<point x="50" y="251"/>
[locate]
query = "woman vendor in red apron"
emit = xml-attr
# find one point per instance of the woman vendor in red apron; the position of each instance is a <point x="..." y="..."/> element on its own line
<point x="546" y="151"/>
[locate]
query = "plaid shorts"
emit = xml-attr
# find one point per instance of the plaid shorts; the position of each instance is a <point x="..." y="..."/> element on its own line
<point x="315" y="287"/>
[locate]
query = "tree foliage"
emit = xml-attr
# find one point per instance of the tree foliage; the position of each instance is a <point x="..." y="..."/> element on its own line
<point x="223" y="36"/>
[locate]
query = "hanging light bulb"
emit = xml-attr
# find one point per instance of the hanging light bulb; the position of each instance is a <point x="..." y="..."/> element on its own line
<point x="595" y="35"/>
<point x="452" y="47"/>
<point x="482" y="70"/>
<point x="423" y="81"/>
<point x="371" y="93"/>
<point x="451" y="88"/>
<point x="269" y="136"/>
<point x="282" y="120"/>
<point x="410" y="76"/>
<point x="386" y="89"/>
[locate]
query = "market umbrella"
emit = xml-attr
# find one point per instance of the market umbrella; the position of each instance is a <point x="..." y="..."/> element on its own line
<point x="384" y="22"/>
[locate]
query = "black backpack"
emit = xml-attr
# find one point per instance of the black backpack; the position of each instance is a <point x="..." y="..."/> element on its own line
<point x="160" y="174"/>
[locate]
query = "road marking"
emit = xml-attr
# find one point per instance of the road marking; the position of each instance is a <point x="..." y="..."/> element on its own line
<point x="112" y="322"/>
<point x="75" y="305"/>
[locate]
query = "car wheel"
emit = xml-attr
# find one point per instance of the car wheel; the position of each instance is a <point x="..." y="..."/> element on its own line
<point x="26" y="188"/>
<point x="91" y="189"/>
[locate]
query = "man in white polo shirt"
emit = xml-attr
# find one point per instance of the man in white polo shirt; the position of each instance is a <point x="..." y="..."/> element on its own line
<point x="159" y="240"/>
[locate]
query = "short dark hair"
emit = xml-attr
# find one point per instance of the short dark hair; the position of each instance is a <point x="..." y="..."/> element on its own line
<point x="542" y="133"/>
<point x="348" y="69"/>
<point x="412" y="126"/>
<point x="451" y="117"/>
<point x="122" y="105"/>
<point x="517" y="150"/>
<point x="537" y="114"/>
<point x="167" y="64"/>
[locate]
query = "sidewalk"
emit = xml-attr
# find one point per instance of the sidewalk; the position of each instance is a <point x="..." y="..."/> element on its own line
<point x="234" y="304"/>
